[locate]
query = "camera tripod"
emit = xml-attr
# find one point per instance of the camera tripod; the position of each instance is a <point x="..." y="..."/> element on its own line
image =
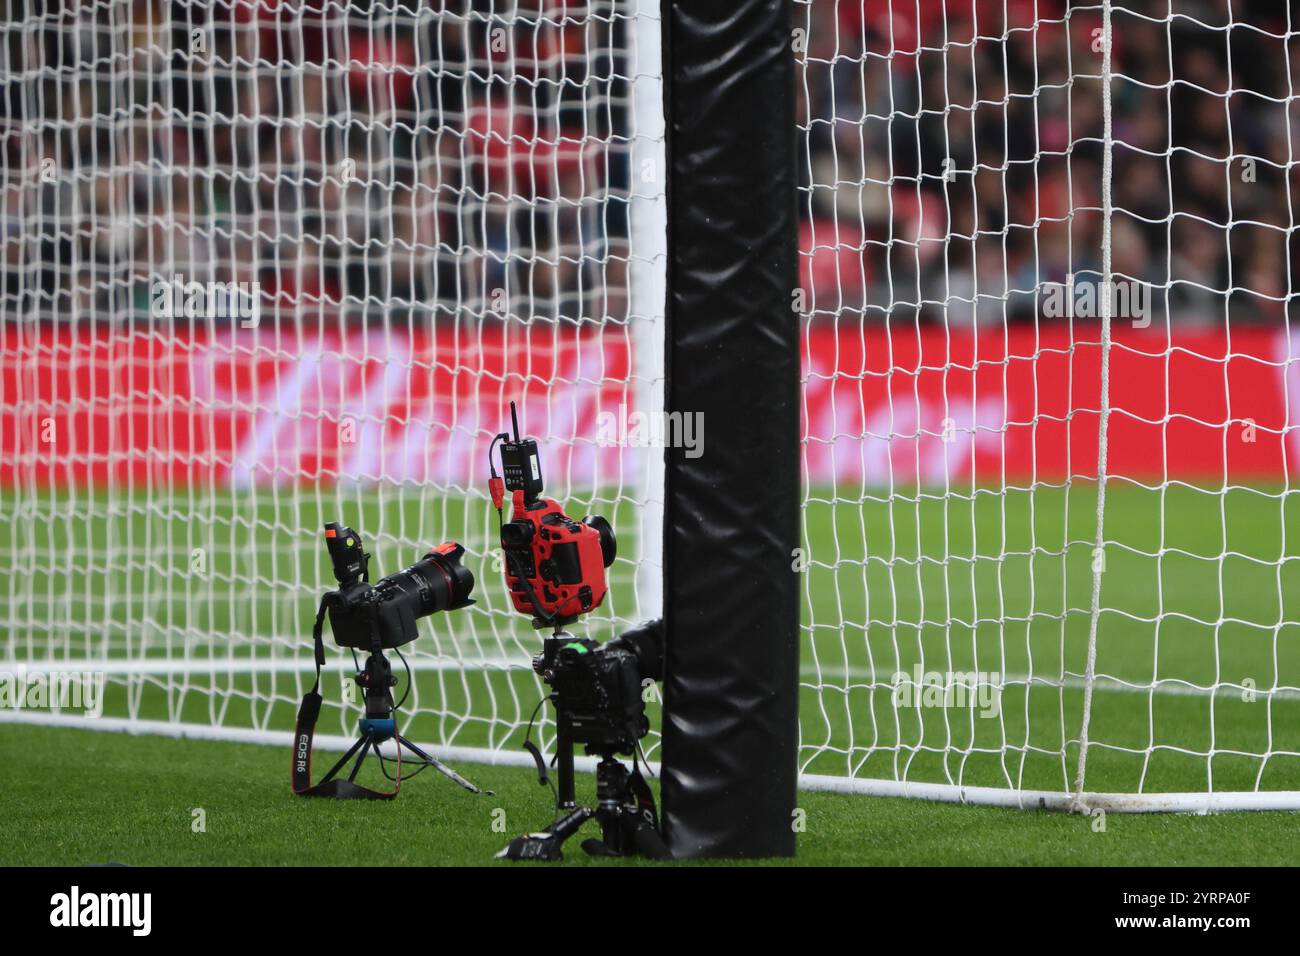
<point x="377" y="726"/>
<point x="625" y="806"/>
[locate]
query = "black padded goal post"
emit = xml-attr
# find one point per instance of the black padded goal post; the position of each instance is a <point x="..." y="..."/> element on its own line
<point x="732" y="515"/>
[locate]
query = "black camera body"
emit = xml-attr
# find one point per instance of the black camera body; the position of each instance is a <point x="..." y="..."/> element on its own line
<point x="384" y="615"/>
<point x="599" y="689"/>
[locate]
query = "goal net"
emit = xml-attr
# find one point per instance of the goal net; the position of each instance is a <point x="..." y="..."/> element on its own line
<point x="1048" y="388"/>
<point x="270" y="265"/>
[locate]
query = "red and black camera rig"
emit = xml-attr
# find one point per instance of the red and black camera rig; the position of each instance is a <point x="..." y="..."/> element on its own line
<point x="555" y="566"/>
<point x="555" y="572"/>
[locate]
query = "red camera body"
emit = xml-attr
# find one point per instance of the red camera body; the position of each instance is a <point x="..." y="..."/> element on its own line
<point x="555" y="566"/>
<point x="559" y="559"/>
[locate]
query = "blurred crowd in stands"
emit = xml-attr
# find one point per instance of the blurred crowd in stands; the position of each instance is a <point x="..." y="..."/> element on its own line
<point x="399" y="159"/>
<point x="953" y="156"/>
<point x="359" y="159"/>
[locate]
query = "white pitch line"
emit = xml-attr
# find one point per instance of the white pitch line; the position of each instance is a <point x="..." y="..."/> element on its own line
<point x="244" y="665"/>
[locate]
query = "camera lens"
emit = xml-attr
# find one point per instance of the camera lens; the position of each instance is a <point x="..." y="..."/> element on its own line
<point x="385" y="615"/>
<point x="608" y="546"/>
<point x="437" y="582"/>
<point x="448" y="583"/>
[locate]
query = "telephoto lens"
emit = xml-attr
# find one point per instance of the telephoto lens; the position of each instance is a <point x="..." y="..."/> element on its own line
<point x="386" y="613"/>
<point x="437" y="582"/>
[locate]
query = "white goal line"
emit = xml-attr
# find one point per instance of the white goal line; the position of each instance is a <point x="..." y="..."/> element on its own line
<point x="250" y="665"/>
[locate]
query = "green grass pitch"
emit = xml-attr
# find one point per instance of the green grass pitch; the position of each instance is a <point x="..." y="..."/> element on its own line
<point x="1199" y="588"/>
<point x="79" y="797"/>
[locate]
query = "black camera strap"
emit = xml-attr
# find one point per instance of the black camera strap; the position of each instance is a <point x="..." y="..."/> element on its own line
<point x="639" y="787"/>
<point x="305" y="730"/>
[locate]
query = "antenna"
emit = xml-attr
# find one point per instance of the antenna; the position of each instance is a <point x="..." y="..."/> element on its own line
<point x="521" y="469"/>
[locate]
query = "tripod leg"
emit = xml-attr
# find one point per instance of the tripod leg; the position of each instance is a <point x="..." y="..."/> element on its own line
<point x="628" y="822"/>
<point x="439" y="766"/>
<point x="625" y="832"/>
<point x="566" y="791"/>
<point x="344" y="759"/>
<point x="548" y="844"/>
<point x="356" y="767"/>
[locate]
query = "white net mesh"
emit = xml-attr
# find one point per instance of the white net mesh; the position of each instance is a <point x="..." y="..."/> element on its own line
<point x="268" y="265"/>
<point x="973" y="207"/>
<point x="271" y="265"/>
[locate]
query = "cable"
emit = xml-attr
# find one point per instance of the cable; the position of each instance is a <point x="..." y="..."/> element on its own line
<point x="409" y="679"/>
<point x="536" y="751"/>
